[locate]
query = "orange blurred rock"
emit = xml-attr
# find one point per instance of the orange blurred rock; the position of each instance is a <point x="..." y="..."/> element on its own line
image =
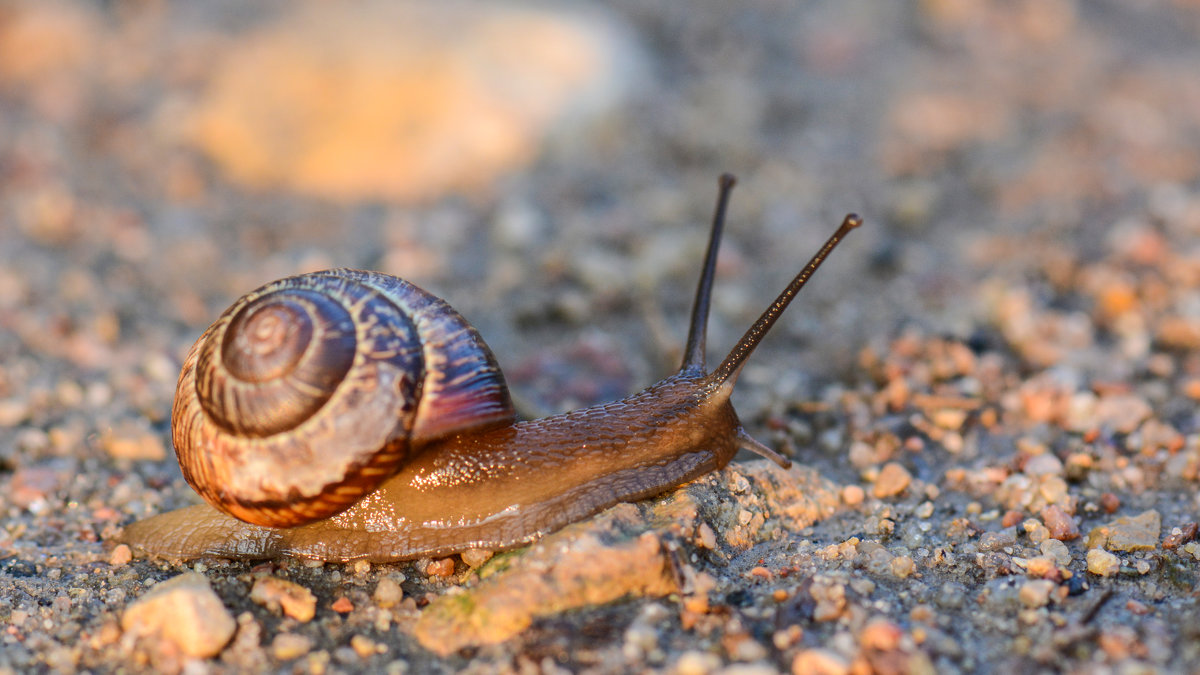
<point x="405" y="101"/>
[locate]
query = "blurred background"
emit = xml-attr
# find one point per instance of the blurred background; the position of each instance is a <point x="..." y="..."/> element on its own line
<point x="550" y="171"/>
<point x="1029" y="173"/>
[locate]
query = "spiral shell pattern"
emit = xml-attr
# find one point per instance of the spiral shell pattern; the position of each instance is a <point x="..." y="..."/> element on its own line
<point x="309" y="392"/>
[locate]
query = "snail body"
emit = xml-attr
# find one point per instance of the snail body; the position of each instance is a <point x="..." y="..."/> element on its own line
<point x="453" y="469"/>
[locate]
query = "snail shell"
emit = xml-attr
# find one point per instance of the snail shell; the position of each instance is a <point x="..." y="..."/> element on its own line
<point x="312" y="390"/>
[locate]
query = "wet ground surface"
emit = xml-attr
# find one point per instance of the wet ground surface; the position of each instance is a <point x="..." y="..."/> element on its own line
<point x="989" y="391"/>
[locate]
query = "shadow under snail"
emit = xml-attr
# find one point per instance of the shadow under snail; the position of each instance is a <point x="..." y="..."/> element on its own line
<point x="347" y="415"/>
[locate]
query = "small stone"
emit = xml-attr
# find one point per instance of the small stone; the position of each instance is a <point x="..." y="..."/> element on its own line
<point x="853" y="495"/>
<point x="1041" y="566"/>
<point x="830" y="597"/>
<point x="1138" y="608"/>
<point x="342" y="605"/>
<point x="1056" y="550"/>
<point x="950" y="419"/>
<point x="1053" y="489"/>
<point x="881" y="635"/>
<point x="893" y="479"/>
<point x="476" y="557"/>
<point x="1035" y="530"/>
<point x="1180" y="536"/>
<point x="34" y="484"/>
<point x="745" y="648"/>
<point x="387" y="593"/>
<point x="1122" y="412"/>
<point x="440" y="568"/>
<point x="287" y="646"/>
<point x="133" y="442"/>
<point x="1102" y="563"/>
<point x="1036" y="593"/>
<point x="760" y="572"/>
<point x="696" y="662"/>
<point x="1137" y="533"/>
<point x="289" y="597"/>
<point x="184" y="611"/>
<point x="363" y="646"/>
<point x="1110" y="502"/>
<point x="819" y="662"/>
<point x="706" y="537"/>
<point x="902" y="566"/>
<point x="361" y="567"/>
<point x="998" y="541"/>
<point x="788" y="637"/>
<point x="1044" y="465"/>
<point x="121" y="555"/>
<point x="1060" y="524"/>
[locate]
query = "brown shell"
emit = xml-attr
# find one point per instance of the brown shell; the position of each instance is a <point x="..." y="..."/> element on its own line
<point x="312" y="390"/>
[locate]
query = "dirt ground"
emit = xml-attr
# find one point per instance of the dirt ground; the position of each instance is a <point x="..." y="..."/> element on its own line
<point x="989" y="392"/>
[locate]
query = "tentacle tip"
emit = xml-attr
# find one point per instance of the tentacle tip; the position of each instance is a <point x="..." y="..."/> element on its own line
<point x="748" y="442"/>
<point x="851" y="221"/>
<point x="727" y="180"/>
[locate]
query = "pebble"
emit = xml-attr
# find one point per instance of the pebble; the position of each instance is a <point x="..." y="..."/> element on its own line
<point x="387" y="593"/>
<point x="287" y="646"/>
<point x="830" y="597"/>
<point x="1036" y="531"/>
<point x="443" y="567"/>
<point x="853" y="495"/>
<point x="998" y="541"/>
<point x="364" y="646"/>
<point x="476" y="557"/>
<point x="1041" y="566"/>
<point x="1102" y="563"/>
<point x="1057" y="550"/>
<point x="1110" y="502"/>
<point x="121" y="555"/>
<point x="893" y="479"/>
<point x="819" y="662"/>
<point x="1136" y="533"/>
<point x="880" y="634"/>
<point x="1036" y="593"/>
<point x="1122" y="412"/>
<point x="293" y="599"/>
<point x="694" y="662"/>
<point x="902" y="566"/>
<point x="1060" y="524"/>
<point x="342" y="605"/>
<point x="34" y="484"/>
<point x="1180" y="536"/>
<point x="1044" y="464"/>
<point x="571" y="568"/>
<point x="184" y="611"/>
<point x="134" y="443"/>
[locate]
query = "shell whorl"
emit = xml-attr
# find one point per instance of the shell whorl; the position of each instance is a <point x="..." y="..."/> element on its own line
<point x="310" y="391"/>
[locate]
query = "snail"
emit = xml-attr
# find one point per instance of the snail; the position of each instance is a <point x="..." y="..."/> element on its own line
<point x="345" y="415"/>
